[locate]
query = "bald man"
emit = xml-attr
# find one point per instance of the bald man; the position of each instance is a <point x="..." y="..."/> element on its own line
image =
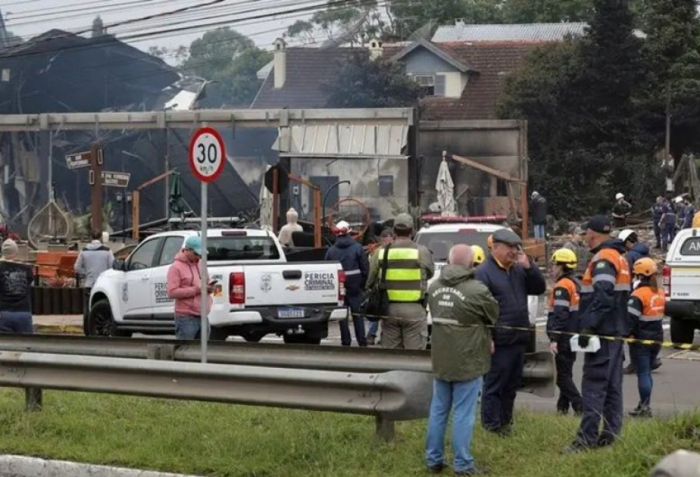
<point x="462" y="309"/>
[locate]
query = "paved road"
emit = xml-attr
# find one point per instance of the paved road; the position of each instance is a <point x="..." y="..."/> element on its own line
<point x="677" y="382"/>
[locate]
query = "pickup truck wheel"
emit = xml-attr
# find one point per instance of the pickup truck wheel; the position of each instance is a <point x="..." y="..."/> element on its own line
<point x="301" y="339"/>
<point x="682" y="331"/>
<point x="101" y="323"/>
<point x="252" y="337"/>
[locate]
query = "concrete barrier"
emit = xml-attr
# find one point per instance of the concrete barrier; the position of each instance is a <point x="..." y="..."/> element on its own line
<point x="20" y="466"/>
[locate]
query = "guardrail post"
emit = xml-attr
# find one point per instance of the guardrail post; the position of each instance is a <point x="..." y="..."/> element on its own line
<point x="160" y="352"/>
<point x="385" y="429"/>
<point x="33" y="399"/>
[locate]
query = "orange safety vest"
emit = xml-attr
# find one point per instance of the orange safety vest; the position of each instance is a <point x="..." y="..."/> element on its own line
<point x="653" y="304"/>
<point x="622" y="279"/>
<point x="569" y="285"/>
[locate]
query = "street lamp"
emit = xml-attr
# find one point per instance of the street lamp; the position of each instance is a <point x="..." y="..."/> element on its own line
<point x="125" y="200"/>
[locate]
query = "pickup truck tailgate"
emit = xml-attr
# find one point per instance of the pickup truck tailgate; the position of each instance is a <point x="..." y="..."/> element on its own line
<point x="685" y="282"/>
<point x="292" y="284"/>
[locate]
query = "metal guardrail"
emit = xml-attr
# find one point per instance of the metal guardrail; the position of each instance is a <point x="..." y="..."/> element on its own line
<point x="538" y="375"/>
<point x="390" y="396"/>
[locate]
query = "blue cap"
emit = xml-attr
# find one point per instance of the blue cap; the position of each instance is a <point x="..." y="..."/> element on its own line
<point x="194" y="243"/>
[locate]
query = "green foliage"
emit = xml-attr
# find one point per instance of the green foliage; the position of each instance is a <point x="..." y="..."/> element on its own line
<point x="231" y="60"/>
<point x="587" y="137"/>
<point x="222" y="440"/>
<point x="365" y="83"/>
<point x="547" y="11"/>
<point x="410" y="15"/>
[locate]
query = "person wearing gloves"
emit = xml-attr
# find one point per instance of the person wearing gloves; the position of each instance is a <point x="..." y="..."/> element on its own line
<point x="183" y="283"/>
<point x="561" y="324"/>
<point x="602" y="311"/>
<point x="645" y="311"/>
<point x="352" y="257"/>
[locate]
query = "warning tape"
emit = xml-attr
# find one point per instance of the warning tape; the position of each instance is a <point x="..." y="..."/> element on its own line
<point x="663" y="344"/>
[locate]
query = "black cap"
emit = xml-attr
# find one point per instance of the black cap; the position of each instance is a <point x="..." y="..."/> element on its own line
<point x="507" y="237"/>
<point x="600" y="224"/>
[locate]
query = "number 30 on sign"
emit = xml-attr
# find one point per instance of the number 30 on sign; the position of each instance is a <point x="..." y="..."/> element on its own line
<point x="207" y="154"/>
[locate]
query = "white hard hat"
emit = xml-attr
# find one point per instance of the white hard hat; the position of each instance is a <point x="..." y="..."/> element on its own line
<point x="535" y="194"/>
<point x="342" y="228"/>
<point x="625" y="234"/>
<point x="619" y="196"/>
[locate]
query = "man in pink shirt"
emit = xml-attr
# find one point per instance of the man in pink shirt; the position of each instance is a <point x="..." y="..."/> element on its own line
<point x="183" y="284"/>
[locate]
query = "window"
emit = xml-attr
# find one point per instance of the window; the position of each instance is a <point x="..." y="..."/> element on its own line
<point x="501" y="188"/>
<point x="143" y="256"/>
<point x="691" y="246"/>
<point x="427" y="84"/>
<point x="171" y="247"/>
<point x="241" y="248"/>
<point x="440" y="243"/>
<point x="386" y="186"/>
<point x="431" y="85"/>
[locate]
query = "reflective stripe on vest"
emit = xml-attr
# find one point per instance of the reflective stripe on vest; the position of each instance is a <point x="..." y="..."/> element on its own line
<point x="403" y="275"/>
<point x="621" y="281"/>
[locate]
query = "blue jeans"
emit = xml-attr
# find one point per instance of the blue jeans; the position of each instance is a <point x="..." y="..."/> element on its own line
<point x="539" y="231"/>
<point x="460" y="396"/>
<point x="373" y="329"/>
<point x="188" y="327"/>
<point x="644" y="357"/>
<point x="16" y="322"/>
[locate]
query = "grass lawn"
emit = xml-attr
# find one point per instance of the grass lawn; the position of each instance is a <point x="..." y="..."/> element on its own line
<point x="223" y="440"/>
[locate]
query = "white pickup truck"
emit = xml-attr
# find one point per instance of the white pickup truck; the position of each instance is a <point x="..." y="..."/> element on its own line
<point x="258" y="291"/>
<point x="681" y="280"/>
<point x="439" y="239"/>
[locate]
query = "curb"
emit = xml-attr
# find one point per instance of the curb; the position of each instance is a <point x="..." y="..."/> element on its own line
<point x="20" y="466"/>
<point x="59" y="329"/>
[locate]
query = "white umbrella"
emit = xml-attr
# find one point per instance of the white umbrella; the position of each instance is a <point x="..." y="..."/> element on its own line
<point x="445" y="190"/>
<point x="265" y="201"/>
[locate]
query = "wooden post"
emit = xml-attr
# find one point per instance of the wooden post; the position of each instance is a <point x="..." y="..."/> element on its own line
<point x="317" y="218"/>
<point x="95" y="179"/>
<point x="135" y="219"/>
<point x="525" y="212"/>
<point x="275" y="199"/>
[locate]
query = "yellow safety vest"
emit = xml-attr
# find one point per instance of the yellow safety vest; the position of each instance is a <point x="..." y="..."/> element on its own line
<point x="696" y="220"/>
<point x="403" y="274"/>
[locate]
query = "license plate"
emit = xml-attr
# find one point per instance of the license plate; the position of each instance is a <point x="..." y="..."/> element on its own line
<point x="290" y="313"/>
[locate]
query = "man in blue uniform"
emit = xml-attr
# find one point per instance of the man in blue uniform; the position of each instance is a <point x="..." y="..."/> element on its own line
<point x="657" y="210"/>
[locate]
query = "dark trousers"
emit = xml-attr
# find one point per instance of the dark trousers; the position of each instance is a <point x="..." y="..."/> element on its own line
<point x="568" y="393"/>
<point x="644" y="357"/>
<point x="602" y="394"/>
<point x="16" y="322"/>
<point x="657" y="232"/>
<point x="500" y="387"/>
<point x="353" y="302"/>
<point x="669" y="233"/>
<point x="86" y="308"/>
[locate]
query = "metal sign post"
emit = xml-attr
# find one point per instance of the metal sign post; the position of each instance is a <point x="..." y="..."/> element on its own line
<point x="207" y="156"/>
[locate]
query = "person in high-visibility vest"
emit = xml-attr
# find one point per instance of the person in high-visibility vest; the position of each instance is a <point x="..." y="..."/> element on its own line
<point x="479" y="255"/>
<point x="409" y="267"/>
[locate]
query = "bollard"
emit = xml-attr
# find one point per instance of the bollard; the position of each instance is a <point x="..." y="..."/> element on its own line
<point x="385" y="429"/>
<point x="33" y="399"/>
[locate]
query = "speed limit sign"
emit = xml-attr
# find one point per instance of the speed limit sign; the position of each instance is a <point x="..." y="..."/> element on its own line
<point x="207" y="154"/>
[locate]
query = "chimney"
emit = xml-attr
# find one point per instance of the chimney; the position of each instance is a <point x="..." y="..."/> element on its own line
<point x="375" y="49"/>
<point x="280" y="63"/>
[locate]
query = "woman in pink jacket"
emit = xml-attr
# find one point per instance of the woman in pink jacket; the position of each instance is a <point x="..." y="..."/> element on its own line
<point x="183" y="283"/>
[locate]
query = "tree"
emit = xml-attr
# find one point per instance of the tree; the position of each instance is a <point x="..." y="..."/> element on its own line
<point x="365" y="83"/>
<point x="411" y="15"/>
<point x="586" y="135"/>
<point x="547" y="11"/>
<point x="672" y="58"/>
<point x="229" y="59"/>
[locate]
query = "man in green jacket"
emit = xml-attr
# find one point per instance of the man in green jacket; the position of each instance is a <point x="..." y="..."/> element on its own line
<point x="462" y="309"/>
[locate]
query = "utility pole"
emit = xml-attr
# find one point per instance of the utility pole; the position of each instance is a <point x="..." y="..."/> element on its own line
<point x="95" y="178"/>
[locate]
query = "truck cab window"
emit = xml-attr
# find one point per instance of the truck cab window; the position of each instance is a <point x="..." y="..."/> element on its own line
<point x="143" y="256"/>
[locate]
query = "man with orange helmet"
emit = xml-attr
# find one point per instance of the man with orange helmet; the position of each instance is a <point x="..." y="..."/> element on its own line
<point x="561" y="324"/>
<point x="645" y="310"/>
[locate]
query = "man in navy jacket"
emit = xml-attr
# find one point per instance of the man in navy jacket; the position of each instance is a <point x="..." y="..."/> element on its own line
<point x="511" y="276"/>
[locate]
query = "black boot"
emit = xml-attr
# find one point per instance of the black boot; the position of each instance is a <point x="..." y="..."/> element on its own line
<point x="641" y="411"/>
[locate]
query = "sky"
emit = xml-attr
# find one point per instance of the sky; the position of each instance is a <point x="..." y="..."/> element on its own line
<point x="28" y="18"/>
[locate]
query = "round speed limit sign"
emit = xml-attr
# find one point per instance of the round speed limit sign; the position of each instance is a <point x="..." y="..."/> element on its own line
<point x="207" y="154"/>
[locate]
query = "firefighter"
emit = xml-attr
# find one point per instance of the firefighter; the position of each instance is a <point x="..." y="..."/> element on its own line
<point x="602" y="311"/>
<point x="561" y="324"/>
<point x="409" y="268"/>
<point x="479" y="255"/>
<point x="646" y="312"/>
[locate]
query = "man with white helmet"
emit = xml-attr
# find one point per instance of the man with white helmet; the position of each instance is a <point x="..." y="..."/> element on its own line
<point x="621" y="210"/>
<point x="352" y="257"/>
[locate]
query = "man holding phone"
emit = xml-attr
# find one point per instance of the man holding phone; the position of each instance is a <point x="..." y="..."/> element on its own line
<point x="184" y="286"/>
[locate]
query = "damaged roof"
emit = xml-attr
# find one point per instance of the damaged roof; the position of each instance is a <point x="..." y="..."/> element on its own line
<point x="60" y="71"/>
